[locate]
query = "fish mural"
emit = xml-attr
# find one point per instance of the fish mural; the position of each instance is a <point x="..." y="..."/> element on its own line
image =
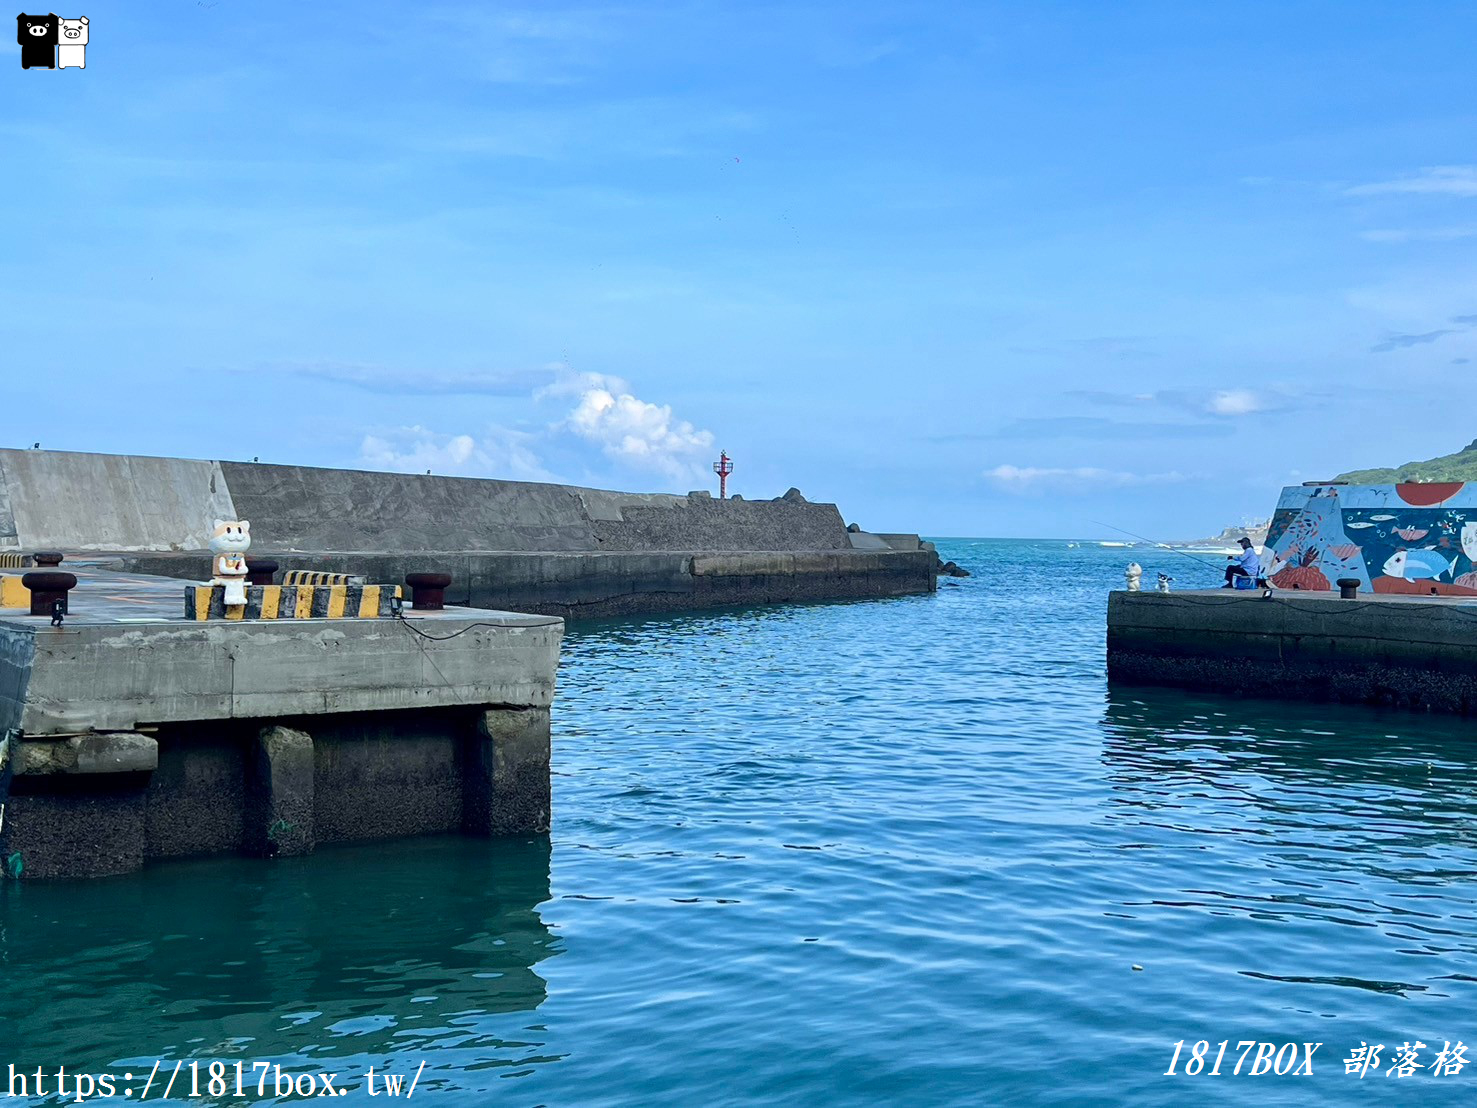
<point x="1469" y="541"/>
<point x="1417" y="565"/>
<point x="1410" y="538"/>
<point x="1309" y="549"/>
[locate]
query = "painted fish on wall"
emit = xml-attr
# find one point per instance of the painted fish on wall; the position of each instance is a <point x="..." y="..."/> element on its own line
<point x="1410" y="538"/>
<point x="1309" y="547"/>
<point x="1418" y="565"/>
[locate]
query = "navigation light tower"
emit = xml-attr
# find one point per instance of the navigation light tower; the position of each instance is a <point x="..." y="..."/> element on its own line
<point x="723" y="467"/>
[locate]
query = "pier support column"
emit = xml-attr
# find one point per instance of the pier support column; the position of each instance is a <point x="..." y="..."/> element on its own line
<point x="507" y="781"/>
<point x="76" y="805"/>
<point x="280" y="820"/>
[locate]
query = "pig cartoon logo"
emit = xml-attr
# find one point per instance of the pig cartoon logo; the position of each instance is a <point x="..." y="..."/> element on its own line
<point x="71" y="49"/>
<point x="37" y="35"/>
<point x="48" y="42"/>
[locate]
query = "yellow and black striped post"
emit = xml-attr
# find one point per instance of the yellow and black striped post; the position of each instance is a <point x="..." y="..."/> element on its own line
<point x="206" y="602"/>
<point x="319" y="577"/>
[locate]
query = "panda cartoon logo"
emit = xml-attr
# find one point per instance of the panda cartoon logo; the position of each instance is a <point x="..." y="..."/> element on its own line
<point x="71" y="50"/>
<point x="37" y="35"/>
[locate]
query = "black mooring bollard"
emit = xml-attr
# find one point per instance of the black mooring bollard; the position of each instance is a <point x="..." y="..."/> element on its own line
<point x="428" y="590"/>
<point x="1348" y="587"/>
<point x="47" y="587"/>
<point x="259" y="571"/>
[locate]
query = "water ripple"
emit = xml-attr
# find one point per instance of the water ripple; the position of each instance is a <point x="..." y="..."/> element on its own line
<point x="912" y="851"/>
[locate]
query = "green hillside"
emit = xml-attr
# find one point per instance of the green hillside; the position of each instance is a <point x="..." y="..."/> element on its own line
<point x="1461" y="466"/>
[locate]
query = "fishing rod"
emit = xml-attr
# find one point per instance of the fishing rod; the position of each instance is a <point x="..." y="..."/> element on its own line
<point x="1159" y="545"/>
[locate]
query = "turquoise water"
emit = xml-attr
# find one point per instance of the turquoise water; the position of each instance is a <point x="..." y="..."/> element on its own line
<point x="903" y="851"/>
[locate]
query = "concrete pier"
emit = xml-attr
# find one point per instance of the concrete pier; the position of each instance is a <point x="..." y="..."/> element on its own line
<point x="156" y="724"/>
<point x="129" y="733"/>
<point x="603" y="585"/>
<point x="1402" y="651"/>
<point x="561" y="550"/>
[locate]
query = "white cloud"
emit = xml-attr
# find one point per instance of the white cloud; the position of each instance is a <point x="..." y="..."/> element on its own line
<point x="1224" y="403"/>
<point x="1440" y="180"/>
<point x="599" y="410"/>
<point x="500" y="453"/>
<point x="1032" y="479"/>
<point x="1235" y="402"/>
<point x="632" y="430"/>
<point x="570" y="383"/>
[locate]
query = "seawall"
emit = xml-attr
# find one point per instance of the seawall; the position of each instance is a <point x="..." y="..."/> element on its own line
<point x="110" y="502"/>
<point x="131" y="733"/>
<point x="604" y="585"/>
<point x="1398" y="651"/>
<point x="514" y="545"/>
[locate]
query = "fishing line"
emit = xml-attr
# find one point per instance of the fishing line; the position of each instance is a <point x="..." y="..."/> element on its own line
<point x="1158" y="545"/>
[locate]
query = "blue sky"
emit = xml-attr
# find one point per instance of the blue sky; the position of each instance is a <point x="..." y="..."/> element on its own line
<point x="992" y="269"/>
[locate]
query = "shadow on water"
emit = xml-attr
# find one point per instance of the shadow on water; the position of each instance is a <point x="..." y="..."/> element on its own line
<point x="358" y="952"/>
<point x="1353" y="830"/>
<point x="654" y="625"/>
<point x="1163" y="734"/>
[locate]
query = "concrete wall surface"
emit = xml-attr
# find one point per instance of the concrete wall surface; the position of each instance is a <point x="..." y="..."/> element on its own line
<point x="1408" y="539"/>
<point x="92" y="502"/>
<point x="1404" y="651"/>
<point x="301" y="508"/>
<point x="604" y="584"/>
<point x="112" y="677"/>
<point x="102" y="804"/>
<point x="126" y="739"/>
<point x="701" y="523"/>
<point x="902" y="541"/>
<point x="52" y="499"/>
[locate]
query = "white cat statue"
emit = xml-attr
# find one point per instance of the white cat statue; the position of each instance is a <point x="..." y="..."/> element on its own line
<point x="229" y="543"/>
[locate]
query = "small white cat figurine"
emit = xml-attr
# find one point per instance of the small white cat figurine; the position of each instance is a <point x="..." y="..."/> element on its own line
<point x="229" y="542"/>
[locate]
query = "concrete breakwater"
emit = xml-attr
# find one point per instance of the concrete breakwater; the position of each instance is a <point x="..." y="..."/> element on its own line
<point x="129" y="733"/>
<point x="554" y="549"/>
<point x="599" y="585"/>
<point x="1401" y="651"/>
<point x="143" y="728"/>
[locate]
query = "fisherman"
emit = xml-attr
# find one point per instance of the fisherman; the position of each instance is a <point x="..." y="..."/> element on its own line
<point x="1246" y="564"/>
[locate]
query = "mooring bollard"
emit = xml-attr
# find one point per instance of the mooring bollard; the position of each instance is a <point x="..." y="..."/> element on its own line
<point x="47" y="587"/>
<point x="48" y="558"/>
<point x="1348" y="587"/>
<point x="428" y="590"/>
<point x="259" y="571"/>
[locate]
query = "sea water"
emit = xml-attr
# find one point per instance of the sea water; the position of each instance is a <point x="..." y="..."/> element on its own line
<point x="909" y="851"/>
